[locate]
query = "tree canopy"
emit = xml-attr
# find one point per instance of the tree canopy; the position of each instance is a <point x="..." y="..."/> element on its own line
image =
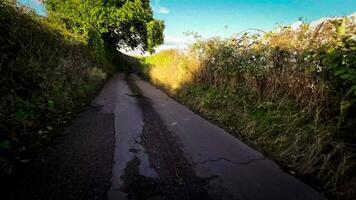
<point x="121" y="23"/>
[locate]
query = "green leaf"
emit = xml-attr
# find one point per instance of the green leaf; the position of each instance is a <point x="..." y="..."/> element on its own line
<point x="50" y="103"/>
<point x="5" y="144"/>
<point x="347" y="76"/>
<point x="349" y="92"/>
<point x="352" y="71"/>
<point x="339" y="72"/>
<point x="344" y="106"/>
<point x="352" y="90"/>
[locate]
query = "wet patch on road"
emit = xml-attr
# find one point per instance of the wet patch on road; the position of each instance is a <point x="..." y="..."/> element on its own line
<point x="177" y="179"/>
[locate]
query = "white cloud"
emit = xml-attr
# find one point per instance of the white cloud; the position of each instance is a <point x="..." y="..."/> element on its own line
<point x="317" y="22"/>
<point x="160" y="9"/>
<point x="38" y="2"/>
<point x="296" y="25"/>
<point x="163" y="10"/>
<point x="171" y="42"/>
<point x="321" y="20"/>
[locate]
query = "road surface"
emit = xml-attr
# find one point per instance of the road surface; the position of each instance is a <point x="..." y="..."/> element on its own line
<point x="134" y="142"/>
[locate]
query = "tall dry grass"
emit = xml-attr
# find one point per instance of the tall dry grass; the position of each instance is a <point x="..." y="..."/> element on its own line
<point x="175" y="69"/>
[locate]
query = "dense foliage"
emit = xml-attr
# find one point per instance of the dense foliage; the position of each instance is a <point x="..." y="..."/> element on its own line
<point x="122" y="23"/>
<point x="289" y="93"/>
<point x="47" y="73"/>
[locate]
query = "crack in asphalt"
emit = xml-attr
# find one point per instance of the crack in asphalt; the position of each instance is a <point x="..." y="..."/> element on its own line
<point x="230" y="161"/>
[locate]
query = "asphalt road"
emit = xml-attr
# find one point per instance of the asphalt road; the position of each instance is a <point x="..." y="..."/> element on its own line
<point x="134" y="142"/>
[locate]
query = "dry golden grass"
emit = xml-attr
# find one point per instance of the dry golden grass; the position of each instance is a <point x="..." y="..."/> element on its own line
<point x="174" y="69"/>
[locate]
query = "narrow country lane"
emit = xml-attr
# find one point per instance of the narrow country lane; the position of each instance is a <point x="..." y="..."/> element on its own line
<point x="134" y="142"/>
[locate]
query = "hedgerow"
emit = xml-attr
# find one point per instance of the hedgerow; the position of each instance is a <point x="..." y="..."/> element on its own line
<point x="47" y="73"/>
<point x="290" y="93"/>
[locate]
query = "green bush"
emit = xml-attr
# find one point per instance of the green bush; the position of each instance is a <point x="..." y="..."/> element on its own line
<point x="96" y="45"/>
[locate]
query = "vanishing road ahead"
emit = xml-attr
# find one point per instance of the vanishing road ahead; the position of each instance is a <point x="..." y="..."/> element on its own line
<point x="134" y="142"/>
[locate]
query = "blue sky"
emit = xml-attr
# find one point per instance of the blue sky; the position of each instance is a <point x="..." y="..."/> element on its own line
<point x="208" y="17"/>
<point x="35" y="4"/>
